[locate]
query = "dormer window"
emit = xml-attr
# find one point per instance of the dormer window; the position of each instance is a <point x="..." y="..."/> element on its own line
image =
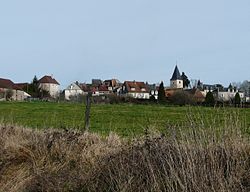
<point x="132" y="89"/>
<point x="143" y="89"/>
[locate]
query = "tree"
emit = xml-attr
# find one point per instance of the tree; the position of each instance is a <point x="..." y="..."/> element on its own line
<point x="33" y="88"/>
<point x="237" y="100"/>
<point x="185" y="79"/>
<point x="209" y="100"/>
<point x="161" y="93"/>
<point x="9" y="94"/>
<point x="43" y="93"/>
<point x="182" y="98"/>
<point x="152" y="98"/>
<point x="245" y="87"/>
<point x="35" y="81"/>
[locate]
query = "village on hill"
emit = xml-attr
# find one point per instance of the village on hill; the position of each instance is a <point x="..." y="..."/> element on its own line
<point x="180" y="91"/>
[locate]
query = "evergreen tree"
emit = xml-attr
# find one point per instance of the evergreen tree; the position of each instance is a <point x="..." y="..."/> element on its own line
<point x="209" y="100"/>
<point x="237" y="99"/>
<point x="185" y="79"/>
<point x="161" y="93"/>
<point x="33" y="89"/>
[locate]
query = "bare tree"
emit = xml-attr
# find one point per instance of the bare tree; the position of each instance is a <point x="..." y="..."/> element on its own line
<point x="245" y="86"/>
<point x="9" y="94"/>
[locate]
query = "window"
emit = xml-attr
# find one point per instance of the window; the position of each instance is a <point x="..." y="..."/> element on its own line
<point x="132" y="89"/>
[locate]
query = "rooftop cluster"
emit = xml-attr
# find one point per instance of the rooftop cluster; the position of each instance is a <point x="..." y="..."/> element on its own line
<point x="179" y="89"/>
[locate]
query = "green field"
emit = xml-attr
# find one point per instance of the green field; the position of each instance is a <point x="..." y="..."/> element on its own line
<point x="124" y="119"/>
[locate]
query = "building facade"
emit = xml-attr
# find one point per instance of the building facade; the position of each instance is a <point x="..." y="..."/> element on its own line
<point x="135" y="89"/>
<point x="49" y="84"/>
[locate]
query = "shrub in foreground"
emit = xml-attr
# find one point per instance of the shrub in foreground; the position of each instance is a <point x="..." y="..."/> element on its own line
<point x="194" y="159"/>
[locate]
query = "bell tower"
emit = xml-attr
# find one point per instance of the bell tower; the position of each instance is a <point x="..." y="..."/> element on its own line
<point x="176" y="81"/>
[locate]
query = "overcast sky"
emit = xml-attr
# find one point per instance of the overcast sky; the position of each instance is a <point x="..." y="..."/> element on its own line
<point x="125" y="39"/>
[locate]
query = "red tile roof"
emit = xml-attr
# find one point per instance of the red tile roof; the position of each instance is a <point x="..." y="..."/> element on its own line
<point x="135" y="86"/>
<point x="48" y="79"/>
<point x="8" y="84"/>
<point x="22" y="86"/>
<point x="93" y="88"/>
<point x="103" y="88"/>
<point x="84" y="87"/>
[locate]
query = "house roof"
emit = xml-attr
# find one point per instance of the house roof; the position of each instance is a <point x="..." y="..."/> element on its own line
<point x="48" y="79"/>
<point x="8" y="84"/>
<point x="85" y="87"/>
<point x="135" y="86"/>
<point x="103" y="88"/>
<point x="73" y="86"/>
<point x="195" y="92"/>
<point x="176" y="75"/>
<point x="112" y="82"/>
<point x="22" y="86"/>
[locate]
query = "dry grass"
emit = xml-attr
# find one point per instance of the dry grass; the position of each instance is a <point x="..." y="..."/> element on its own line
<point x="197" y="159"/>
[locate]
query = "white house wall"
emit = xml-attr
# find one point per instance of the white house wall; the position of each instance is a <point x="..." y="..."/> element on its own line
<point x="53" y="89"/>
<point x="176" y="84"/>
<point x="228" y="96"/>
<point x="72" y="93"/>
<point x="17" y="95"/>
<point x="139" y="95"/>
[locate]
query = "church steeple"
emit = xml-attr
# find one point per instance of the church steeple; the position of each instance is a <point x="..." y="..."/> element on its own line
<point x="176" y="81"/>
<point x="176" y="75"/>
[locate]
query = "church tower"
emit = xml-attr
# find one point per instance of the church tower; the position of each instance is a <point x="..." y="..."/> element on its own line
<point x="176" y="81"/>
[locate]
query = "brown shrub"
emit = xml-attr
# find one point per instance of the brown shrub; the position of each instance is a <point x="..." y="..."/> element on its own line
<point x="53" y="160"/>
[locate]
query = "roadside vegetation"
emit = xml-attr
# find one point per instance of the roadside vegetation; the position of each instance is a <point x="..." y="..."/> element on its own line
<point x="206" y="152"/>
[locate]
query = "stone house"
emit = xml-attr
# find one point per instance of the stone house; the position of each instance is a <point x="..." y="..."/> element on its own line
<point x="220" y="93"/>
<point x="135" y="89"/>
<point x="112" y="84"/>
<point x="11" y="91"/>
<point x="94" y="89"/>
<point x="49" y="84"/>
<point x="73" y="91"/>
<point x="227" y="94"/>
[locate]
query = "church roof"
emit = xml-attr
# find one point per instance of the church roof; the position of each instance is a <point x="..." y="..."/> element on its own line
<point x="176" y="75"/>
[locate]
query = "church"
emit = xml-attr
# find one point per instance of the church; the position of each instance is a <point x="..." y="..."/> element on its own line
<point x="176" y="81"/>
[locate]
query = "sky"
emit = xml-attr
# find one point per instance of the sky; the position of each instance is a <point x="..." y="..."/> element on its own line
<point x="139" y="40"/>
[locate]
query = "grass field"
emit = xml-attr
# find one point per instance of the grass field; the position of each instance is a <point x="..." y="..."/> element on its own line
<point x="124" y="119"/>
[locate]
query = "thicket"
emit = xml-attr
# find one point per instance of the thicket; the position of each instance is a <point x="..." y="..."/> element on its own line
<point x="182" y="98"/>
